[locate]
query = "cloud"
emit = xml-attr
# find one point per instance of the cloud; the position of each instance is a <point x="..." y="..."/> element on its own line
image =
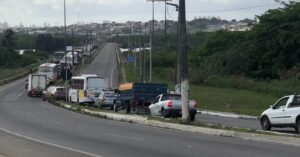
<point x="40" y="11"/>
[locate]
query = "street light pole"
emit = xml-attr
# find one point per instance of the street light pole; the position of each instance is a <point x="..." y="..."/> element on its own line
<point x="66" y="63"/>
<point x="151" y="42"/>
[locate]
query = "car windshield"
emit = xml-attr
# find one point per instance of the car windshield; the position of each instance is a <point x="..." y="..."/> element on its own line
<point x="171" y="97"/>
<point x="109" y="94"/>
<point x="96" y="83"/>
<point x="60" y="89"/>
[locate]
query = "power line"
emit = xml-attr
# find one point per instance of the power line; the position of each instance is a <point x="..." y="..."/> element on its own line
<point x="235" y="9"/>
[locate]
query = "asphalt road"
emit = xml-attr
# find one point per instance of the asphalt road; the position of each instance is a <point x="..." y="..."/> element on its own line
<point x="84" y="135"/>
<point x="239" y="123"/>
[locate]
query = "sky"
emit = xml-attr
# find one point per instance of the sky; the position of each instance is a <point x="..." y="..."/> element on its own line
<point x="38" y="12"/>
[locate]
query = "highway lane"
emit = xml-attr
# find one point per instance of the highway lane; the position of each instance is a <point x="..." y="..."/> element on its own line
<point x="37" y="119"/>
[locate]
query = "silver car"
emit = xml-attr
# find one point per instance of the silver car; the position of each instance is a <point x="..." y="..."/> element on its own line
<point x="106" y="99"/>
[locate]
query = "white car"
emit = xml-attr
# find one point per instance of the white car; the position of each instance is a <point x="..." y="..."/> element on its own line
<point x="284" y="113"/>
<point x="169" y="105"/>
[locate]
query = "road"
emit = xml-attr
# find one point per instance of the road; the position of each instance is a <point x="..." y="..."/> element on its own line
<point x="82" y="135"/>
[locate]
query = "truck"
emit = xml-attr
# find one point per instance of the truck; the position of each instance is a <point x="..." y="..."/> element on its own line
<point x="284" y="113"/>
<point x="170" y="105"/>
<point x="137" y="96"/>
<point x="36" y="84"/>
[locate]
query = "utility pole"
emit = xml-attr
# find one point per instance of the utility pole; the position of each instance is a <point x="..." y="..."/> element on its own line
<point x="151" y="42"/>
<point x="165" y="23"/>
<point x="66" y="62"/>
<point x="184" y="57"/>
<point x="72" y="34"/>
<point x="140" y="51"/>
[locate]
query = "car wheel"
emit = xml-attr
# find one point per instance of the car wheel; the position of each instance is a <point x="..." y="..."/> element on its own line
<point x="115" y="107"/>
<point x="165" y="113"/>
<point x="127" y="107"/>
<point x="43" y="97"/>
<point x="52" y="98"/>
<point x="265" y="123"/>
<point x="298" y="126"/>
<point x="192" y="117"/>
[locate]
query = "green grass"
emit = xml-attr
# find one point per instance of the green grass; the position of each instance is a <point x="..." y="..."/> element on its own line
<point x="5" y="72"/>
<point x="224" y="99"/>
<point x="231" y="100"/>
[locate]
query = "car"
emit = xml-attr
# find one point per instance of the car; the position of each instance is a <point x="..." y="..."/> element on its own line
<point x="284" y="113"/>
<point x="106" y="99"/>
<point x="170" y="105"/>
<point x="54" y="93"/>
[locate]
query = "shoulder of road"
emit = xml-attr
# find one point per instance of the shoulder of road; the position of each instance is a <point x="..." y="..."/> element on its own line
<point x="227" y="115"/>
<point x="261" y="136"/>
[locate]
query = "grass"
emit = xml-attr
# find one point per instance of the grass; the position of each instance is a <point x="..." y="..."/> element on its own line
<point x="231" y="100"/>
<point x="224" y="99"/>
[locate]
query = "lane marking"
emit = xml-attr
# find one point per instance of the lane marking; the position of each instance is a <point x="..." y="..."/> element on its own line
<point x="57" y="123"/>
<point x="50" y="144"/>
<point x="126" y="137"/>
<point x="16" y="99"/>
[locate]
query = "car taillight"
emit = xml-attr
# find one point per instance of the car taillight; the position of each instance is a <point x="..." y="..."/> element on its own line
<point x="85" y="93"/>
<point x="170" y="104"/>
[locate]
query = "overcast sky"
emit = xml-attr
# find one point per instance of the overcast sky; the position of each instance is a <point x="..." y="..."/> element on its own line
<point x="38" y="12"/>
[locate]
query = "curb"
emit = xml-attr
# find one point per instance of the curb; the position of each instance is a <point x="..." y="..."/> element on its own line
<point x="291" y="140"/>
<point x="227" y="115"/>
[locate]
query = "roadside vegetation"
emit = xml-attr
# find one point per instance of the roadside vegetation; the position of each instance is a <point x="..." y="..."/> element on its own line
<point x="242" y="72"/>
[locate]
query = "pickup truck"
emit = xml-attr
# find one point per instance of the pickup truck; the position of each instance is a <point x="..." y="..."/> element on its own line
<point x="137" y="96"/>
<point x="284" y="113"/>
<point x="170" y="105"/>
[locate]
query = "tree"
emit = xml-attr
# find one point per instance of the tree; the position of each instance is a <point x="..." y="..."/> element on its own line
<point x="7" y="39"/>
<point x="44" y="42"/>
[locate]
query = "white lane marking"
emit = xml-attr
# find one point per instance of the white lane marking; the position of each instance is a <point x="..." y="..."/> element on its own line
<point x="126" y="137"/>
<point x="111" y="76"/>
<point x="19" y="95"/>
<point x="56" y="122"/>
<point x="50" y="144"/>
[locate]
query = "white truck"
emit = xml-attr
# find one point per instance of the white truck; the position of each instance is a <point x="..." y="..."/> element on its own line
<point x="284" y="113"/>
<point x="170" y="105"/>
<point x="36" y="84"/>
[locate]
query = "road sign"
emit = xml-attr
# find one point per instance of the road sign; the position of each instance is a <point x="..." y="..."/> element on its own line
<point x="131" y="59"/>
<point x="69" y="48"/>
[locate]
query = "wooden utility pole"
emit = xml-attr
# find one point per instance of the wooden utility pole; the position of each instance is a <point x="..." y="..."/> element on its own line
<point x="184" y="59"/>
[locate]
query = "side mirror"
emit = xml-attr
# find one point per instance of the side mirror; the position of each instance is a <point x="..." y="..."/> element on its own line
<point x="271" y="106"/>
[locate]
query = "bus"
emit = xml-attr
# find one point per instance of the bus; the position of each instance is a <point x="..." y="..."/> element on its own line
<point x="85" y="88"/>
<point x="50" y="70"/>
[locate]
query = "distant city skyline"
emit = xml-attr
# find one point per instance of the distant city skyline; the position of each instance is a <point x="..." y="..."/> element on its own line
<point x="38" y="12"/>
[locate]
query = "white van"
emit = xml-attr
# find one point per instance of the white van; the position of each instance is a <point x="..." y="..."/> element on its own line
<point x="85" y="88"/>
